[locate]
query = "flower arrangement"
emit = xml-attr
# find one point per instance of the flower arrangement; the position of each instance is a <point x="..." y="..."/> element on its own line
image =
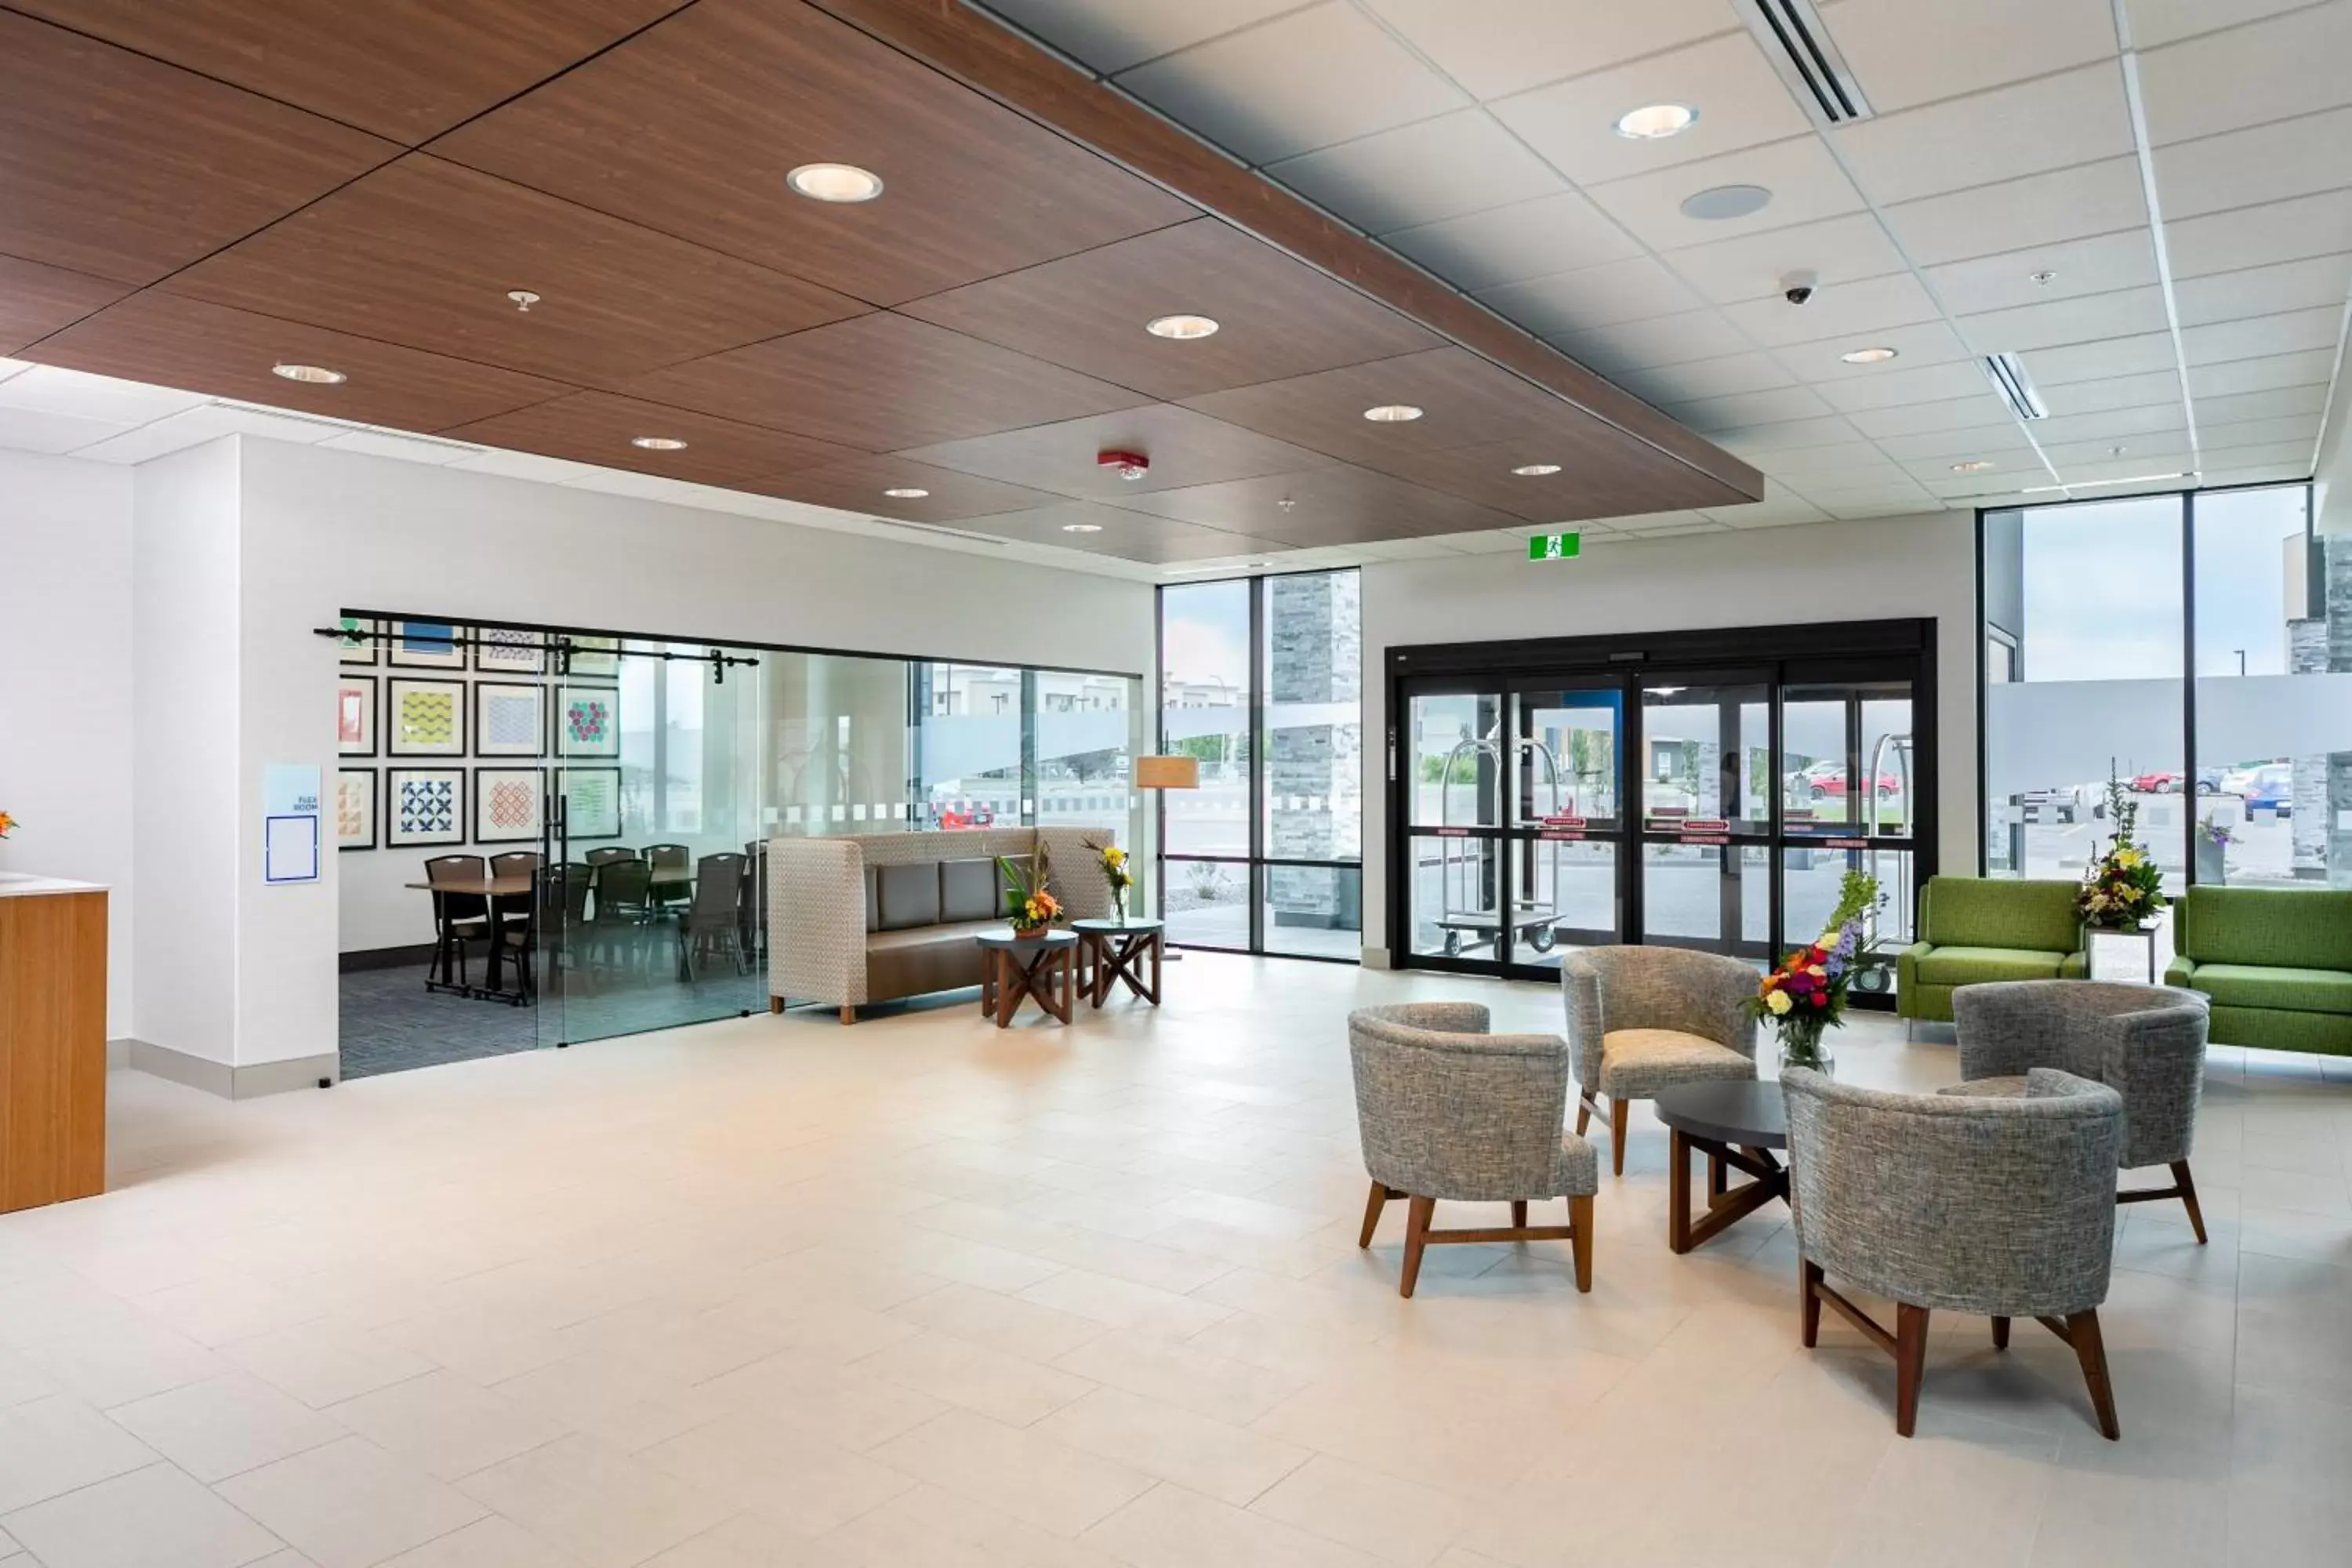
<point x="1113" y="860"/>
<point x="1806" y="996"/>
<point x="2124" y="889"/>
<point x="1027" y="905"/>
<point x="7" y="823"/>
<point x="2215" y="833"/>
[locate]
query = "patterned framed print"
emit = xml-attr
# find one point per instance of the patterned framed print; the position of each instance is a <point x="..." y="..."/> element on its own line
<point x="588" y="721"/>
<point x="510" y="721"/>
<point x="354" y="808"/>
<point x="507" y="805"/>
<point x="592" y="802"/>
<point x="423" y="805"/>
<point x="427" y="645"/>
<point x="598" y="658"/>
<point x="509" y="650"/>
<point x="425" y="718"/>
<point x="355" y="716"/>
<point x="357" y="645"/>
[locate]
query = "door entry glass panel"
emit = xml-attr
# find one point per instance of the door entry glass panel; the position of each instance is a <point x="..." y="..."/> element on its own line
<point x="1456" y="891"/>
<point x="1457" y="760"/>
<point x="1575" y="882"/>
<point x="1568" y="754"/>
<point x="1706" y="755"/>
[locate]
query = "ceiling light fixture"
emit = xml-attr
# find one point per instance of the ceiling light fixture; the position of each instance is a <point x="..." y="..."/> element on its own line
<point x="1655" y="122"/>
<point x="2044" y="276"/>
<point x="906" y="492"/>
<point x="1719" y="204"/>
<point x="1082" y="528"/>
<point x="1182" y="328"/>
<point x="523" y="299"/>
<point x="1535" y="471"/>
<point x="1973" y="466"/>
<point x="658" y="443"/>
<point x="1874" y="355"/>
<point x="834" y="183"/>
<point x="311" y="374"/>
<point x="1392" y="413"/>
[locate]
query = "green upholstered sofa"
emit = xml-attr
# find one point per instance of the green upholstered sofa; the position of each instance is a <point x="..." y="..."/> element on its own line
<point x="1972" y="928"/>
<point x="2276" y="962"/>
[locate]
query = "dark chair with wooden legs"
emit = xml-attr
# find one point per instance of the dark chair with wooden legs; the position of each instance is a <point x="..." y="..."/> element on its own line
<point x="2003" y="1206"/>
<point x="714" y="919"/>
<point x="458" y="918"/>
<point x="670" y="858"/>
<point x="1448" y="1110"/>
<point x="609" y="854"/>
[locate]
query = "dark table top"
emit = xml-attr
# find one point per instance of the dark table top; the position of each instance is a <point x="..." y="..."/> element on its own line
<point x="1137" y="925"/>
<point x="1006" y="938"/>
<point x="1750" y="1114"/>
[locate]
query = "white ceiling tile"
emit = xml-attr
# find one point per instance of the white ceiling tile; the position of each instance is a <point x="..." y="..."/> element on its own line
<point x="2287" y="64"/>
<point x="1905" y="53"/>
<point x="1837" y="457"/>
<point x="2257" y="336"/>
<point x="2016" y="214"/>
<point x="1112" y="34"/>
<point x="2309" y="367"/>
<point x="1847" y="311"/>
<point x="1952" y="446"/>
<point x="1614" y="525"/>
<point x="2217" y="434"/>
<point x="2258" y="235"/>
<point x="1750" y="409"/>
<point x="1977" y="409"/>
<point x="2051" y="122"/>
<point x="1750" y="440"/>
<point x="1923" y="342"/>
<point x="2272" y="473"/>
<point x="1628" y="291"/>
<point x="2261" y="163"/>
<point x="526" y="465"/>
<point x="1741" y="102"/>
<point x="2125" y="313"/>
<point x="2153" y="473"/>
<point x="1420" y="174"/>
<point x="1864" y="507"/>
<point x="32" y="430"/>
<point x="51" y="389"/>
<point x="1805" y="182"/>
<point x="2155" y="22"/>
<point x="1677" y="530"/>
<point x="2263" y="290"/>
<point x="1780" y="504"/>
<point x="1498" y="47"/>
<point x="1707" y="378"/>
<point x="207" y="422"/>
<point x="13" y="367"/>
<point x="2294" y="454"/>
<point x="1928" y="384"/>
<point x="1660" y="340"/>
<point x="1424" y="549"/>
<point x="395" y="444"/>
<point x="2111" y="425"/>
<point x="2143" y="391"/>
<point x="1314" y="78"/>
<point x="2102" y="359"/>
<point x="1507" y="244"/>
<point x="2020" y="465"/>
<point x="1989" y="489"/>
<point x="2097" y="265"/>
<point x="1494" y="541"/>
<point x="1836" y="250"/>
<point x="2275" y="403"/>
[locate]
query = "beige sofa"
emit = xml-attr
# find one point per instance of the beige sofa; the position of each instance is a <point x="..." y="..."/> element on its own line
<point x="874" y="917"/>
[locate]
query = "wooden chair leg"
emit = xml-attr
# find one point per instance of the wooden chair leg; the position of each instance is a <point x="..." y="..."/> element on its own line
<point x="2091" y="1350"/>
<point x="2189" y="1199"/>
<point x="1579" y="1219"/>
<point x="775" y="1004"/>
<point x="1519" y="1213"/>
<point x="849" y="1014"/>
<point x="1910" y="1363"/>
<point x="1809" y="1302"/>
<point x="2001" y="1334"/>
<point x="1583" y="1113"/>
<point x="1416" y="1228"/>
<point x="1618" y="1110"/>
<point x="1373" y="1207"/>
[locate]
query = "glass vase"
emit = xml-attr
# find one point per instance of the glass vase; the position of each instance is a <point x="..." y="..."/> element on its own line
<point x="1802" y="1045"/>
<point x="1118" y="905"/>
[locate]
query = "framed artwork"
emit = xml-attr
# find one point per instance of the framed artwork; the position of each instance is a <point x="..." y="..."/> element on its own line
<point x="507" y="804"/>
<point x="357" y="645"/>
<point x="510" y="721"/>
<point x="354" y="808"/>
<point x="592" y="802"/>
<point x="509" y="650"/>
<point x="588" y="721"/>
<point x="425" y="718"/>
<point x="355" y="716"/>
<point x="599" y="658"/>
<point x="423" y="805"/>
<point x="427" y="645"/>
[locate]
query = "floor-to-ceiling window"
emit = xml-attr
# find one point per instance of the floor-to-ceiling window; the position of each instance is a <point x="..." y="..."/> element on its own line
<point x="1261" y="682"/>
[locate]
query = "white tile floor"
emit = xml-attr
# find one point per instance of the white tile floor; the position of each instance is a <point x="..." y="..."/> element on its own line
<point x="920" y="1292"/>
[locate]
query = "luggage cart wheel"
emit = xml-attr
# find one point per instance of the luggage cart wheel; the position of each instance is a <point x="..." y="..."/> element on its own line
<point x="1453" y="943"/>
<point x="1545" y="936"/>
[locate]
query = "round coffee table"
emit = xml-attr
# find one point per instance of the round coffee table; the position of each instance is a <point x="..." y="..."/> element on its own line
<point x="1044" y="967"/>
<point x="1736" y="1124"/>
<point x="1116" y="949"/>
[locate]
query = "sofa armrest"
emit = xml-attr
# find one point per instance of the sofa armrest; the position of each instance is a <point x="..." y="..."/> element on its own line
<point x="817" y="921"/>
<point x="2074" y="966"/>
<point x="2181" y="971"/>
<point x="1906" y="966"/>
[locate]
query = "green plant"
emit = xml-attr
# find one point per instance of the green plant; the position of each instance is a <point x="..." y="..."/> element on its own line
<point x="2124" y="889"/>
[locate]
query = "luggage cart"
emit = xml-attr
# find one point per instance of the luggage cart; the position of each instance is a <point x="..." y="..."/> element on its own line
<point x="1463" y="914"/>
<point x="1892" y="868"/>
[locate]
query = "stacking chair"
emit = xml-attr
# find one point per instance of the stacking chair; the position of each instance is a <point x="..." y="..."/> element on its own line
<point x="458" y="918"/>
<point x="715" y="916"/>
<point x="670" y="858"/>
<point x="609" y="854"/>
<point x="623" y="908"/>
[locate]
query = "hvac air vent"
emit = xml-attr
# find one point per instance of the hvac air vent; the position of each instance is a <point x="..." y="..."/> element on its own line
<point x="2007" y="376"/>
<point x="1801" y="51"/>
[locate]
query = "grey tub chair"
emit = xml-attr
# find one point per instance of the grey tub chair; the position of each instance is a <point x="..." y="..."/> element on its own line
<point x="2003" y="1206"/>
<point x="2145" y="1042"/>
<point x="1448" y="1110"/>
<point x="1646" y="1018"/>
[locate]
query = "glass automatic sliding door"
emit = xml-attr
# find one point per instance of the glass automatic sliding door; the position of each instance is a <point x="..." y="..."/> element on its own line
<point x="1454" y="823"/>
<point x="1707" y="811"/>
<point x="1850" y="799"/>
<point x="1564" y="846"/>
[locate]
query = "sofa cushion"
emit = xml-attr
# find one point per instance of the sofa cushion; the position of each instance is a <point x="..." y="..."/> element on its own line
<point x="924" y="959"/>
<point x="873" y="899"/>
<point x="1973" y="965"/>
<point x="968" y="890"/>
<point x="1973" y="911"/>
<point x="910" y="895"/>
<point x="2281" y="927"/>
<point x="2263" y="985"/>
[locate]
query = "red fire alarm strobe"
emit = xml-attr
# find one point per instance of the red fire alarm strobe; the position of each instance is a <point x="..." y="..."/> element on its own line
<point x="1128" y="465"/>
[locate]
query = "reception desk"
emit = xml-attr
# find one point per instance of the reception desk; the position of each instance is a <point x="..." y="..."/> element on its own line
<point x="52" y="1041"/>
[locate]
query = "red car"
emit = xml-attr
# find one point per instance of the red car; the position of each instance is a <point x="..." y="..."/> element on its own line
<point x="1826" y="781"/>
<point x="2154" y="784"/>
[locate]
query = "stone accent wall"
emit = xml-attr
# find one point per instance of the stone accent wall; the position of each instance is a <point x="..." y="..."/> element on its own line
<point x="1314" y="772"/>
<point x="2336" y="564"/>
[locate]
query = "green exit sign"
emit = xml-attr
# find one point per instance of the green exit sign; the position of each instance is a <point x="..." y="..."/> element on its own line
<point x="1555" y="546"/>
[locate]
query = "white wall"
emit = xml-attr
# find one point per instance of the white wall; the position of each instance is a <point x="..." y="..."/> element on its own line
<point x="1878" y="570"/>
<point x="66" y="684"/>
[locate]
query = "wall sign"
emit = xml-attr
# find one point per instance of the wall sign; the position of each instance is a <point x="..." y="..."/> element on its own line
<point x="1555" y="546"/>
<point x="289" y="822"/>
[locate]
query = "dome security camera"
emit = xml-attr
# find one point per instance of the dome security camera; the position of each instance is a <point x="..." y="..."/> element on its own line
<point x="1799" y="287"/>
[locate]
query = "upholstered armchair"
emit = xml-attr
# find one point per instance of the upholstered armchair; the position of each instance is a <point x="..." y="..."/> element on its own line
<point x="2003" y="1206"/>
<point x="1448" y="1110"/>
<point x="2145" y="1042"/>
<point x="1641" y="1019"/>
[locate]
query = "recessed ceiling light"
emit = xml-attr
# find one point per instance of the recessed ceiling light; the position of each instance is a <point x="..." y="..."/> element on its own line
<point x="906" y="492"/>
<point x="1973" y="466"/>
<point x="1876" y="355"/>
<point x="2044" y="276"/>
<point x="1392" y="413"/>
<point x="1180" y="327"/>
<point x="834" y="183"/>
<point x="658" y="443"/>
<point x="1082" y="528"/>
<point x="1535" y="471"/>
<point x="315" y="375"/>
<point x="1655" y="121"/>
<point x="1720" y="202"/>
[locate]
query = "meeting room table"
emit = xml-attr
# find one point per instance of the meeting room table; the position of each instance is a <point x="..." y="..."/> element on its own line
<point x="507" y="890"/>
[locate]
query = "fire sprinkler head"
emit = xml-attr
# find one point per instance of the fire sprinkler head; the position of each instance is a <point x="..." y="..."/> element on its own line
<point x="1128" y="465"/>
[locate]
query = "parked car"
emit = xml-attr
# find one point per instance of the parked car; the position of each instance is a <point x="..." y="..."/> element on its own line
<point x="2066" y="803"/>
<point x="1826" y="781"/>
<point x="2208" y="782"/>
<point x="973" y="816"/>
<point x="2269" y="788"/>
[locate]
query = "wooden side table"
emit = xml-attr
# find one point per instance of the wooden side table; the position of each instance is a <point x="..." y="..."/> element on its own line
<point x="1116" y="950"/>
<point x="1735" y="1124"/>
<point x="1044" y="968"/>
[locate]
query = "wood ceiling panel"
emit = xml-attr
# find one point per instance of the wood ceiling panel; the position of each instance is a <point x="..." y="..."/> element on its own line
<point x="127" y="168"/>
<point x="1277" y="317"/>
<point x="35" y="300"/>
<point x="423" y="252"/>
<point x="881" y="382"/>
<point x="598" y="428"/>
<point x="1327" y="506"/>
<point x="858" y="486"/>
<point x="692" y="127"/>
<point x="1185" y="449"/>
<point x="210" y="349"/>
<point x="1131" y="535"/>
<point x="1594" y="480"/>
<point x="405" y="69"/>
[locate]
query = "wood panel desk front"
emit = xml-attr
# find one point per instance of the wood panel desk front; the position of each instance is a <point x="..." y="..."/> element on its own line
<point x="52" y="1041"/>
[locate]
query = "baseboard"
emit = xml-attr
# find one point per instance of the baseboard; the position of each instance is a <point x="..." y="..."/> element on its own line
<point x="118" y="1053"/>
<point x="220" y="1079"/>
<point x="385" y="958"/>
<point x="1377" y="958"/>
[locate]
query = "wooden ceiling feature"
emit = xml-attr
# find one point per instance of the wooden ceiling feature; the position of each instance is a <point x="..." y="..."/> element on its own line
<point x="127" y="168"/>
<point x="1276" y="317"/>
<point x="1130" y="535"/>
<point x="598" y="428"/>
<point x="881" y="382"/>
<point x="858" y="486"/>
<point x="692" y="127"/>
<point x="1590" y="484"/>
<point x="1185" y="449"/>
<point x="35" y="300"/>
<point x="158" y="337"/>
<point x="423" y="252"/>
<point x="1334" y="505"/>
<point x="404" y="70"/>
